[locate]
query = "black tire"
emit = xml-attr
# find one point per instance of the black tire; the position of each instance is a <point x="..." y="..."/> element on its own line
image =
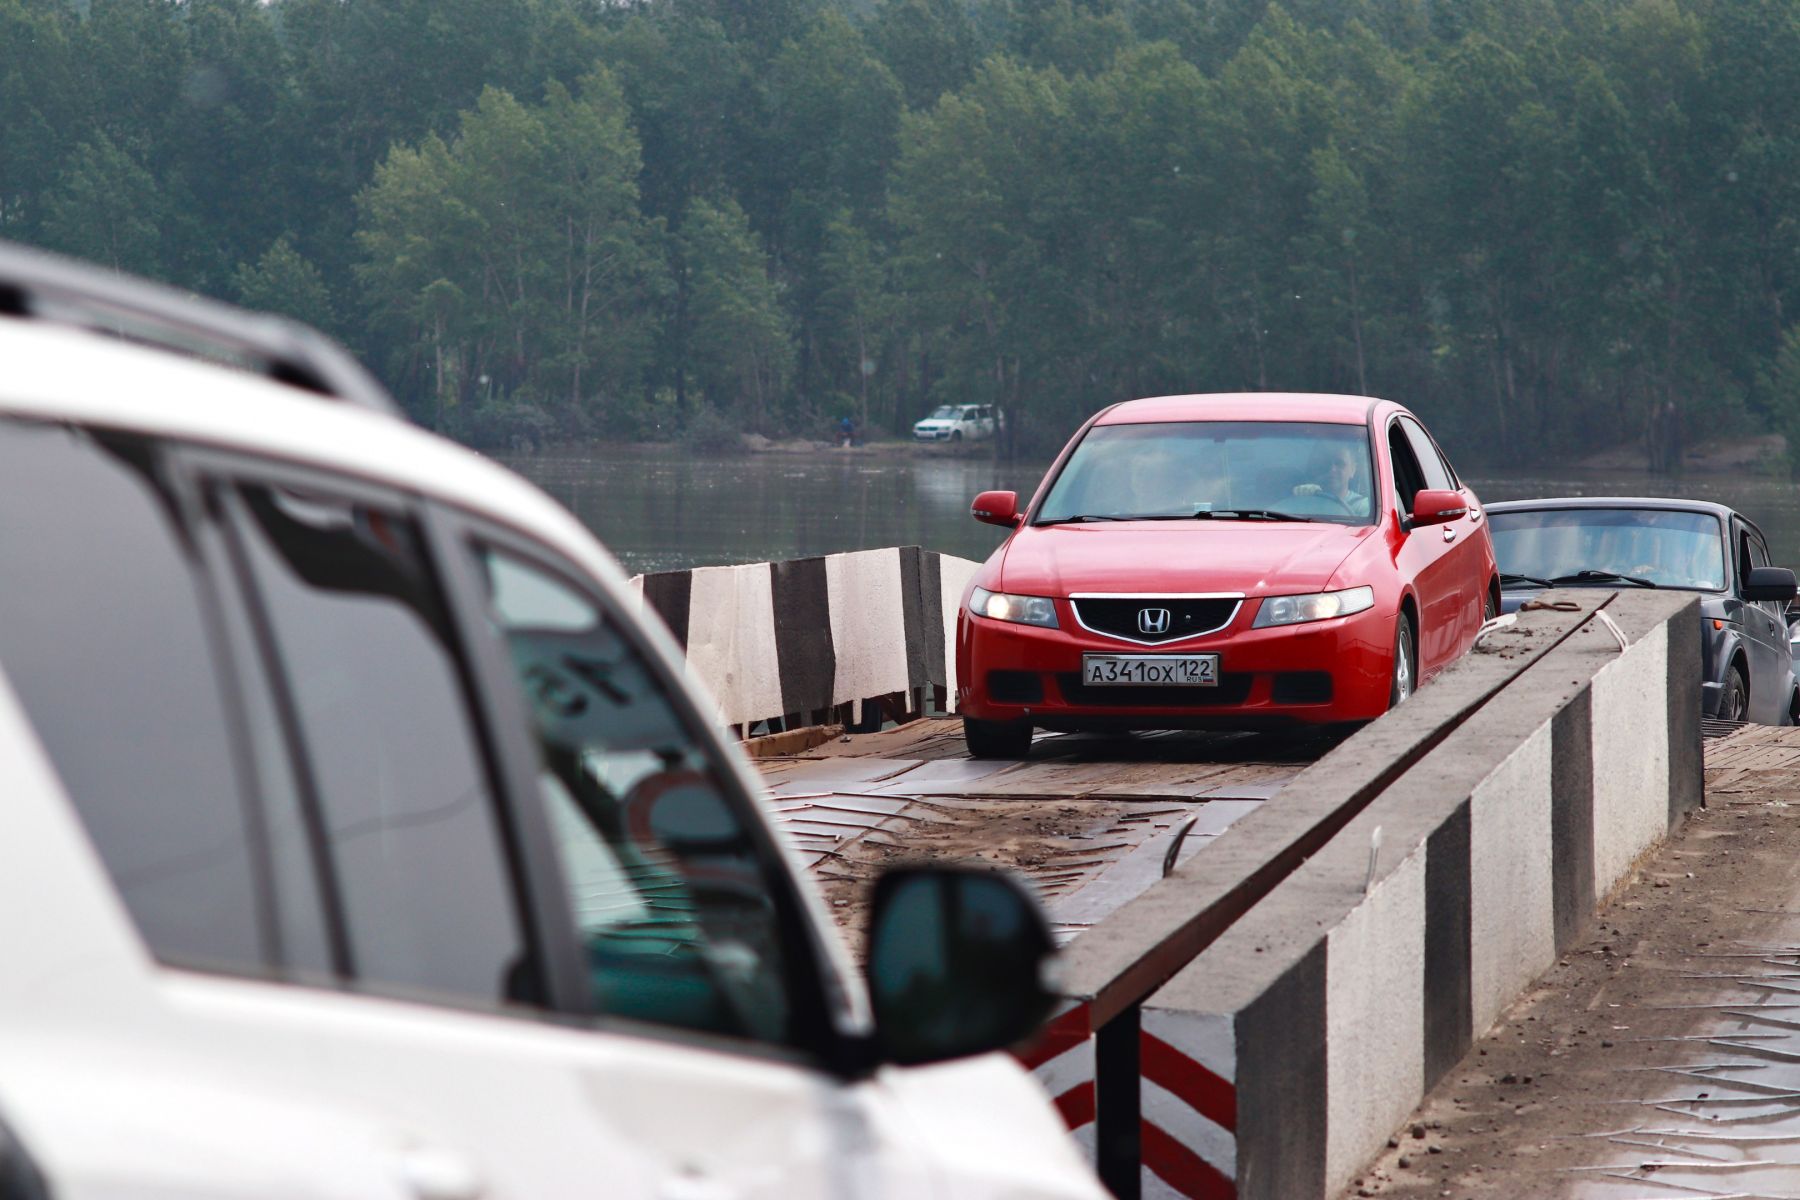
<point x="1404" y="681"/>
<point x="956" y="435"/>
<point x="1734" y="701"/>
<point x="1489" y="610"/>
<point x="996" y="739"/>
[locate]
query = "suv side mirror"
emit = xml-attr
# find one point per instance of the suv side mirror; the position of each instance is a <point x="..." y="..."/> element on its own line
<point x="956" y="966"/>
<point x="996" y="508"/>
<point x="1431" y="507"/>
<point x="1769" y="583"/>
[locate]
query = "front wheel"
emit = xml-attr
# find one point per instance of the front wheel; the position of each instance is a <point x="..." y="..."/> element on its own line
<point x="1406" y="664"/>
<point x="956" y="435"/>
<point x="1736" y="699"/>
<point x="996" y="739"/>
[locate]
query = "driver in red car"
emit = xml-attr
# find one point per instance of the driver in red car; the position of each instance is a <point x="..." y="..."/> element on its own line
<point x="1335" y="469"/>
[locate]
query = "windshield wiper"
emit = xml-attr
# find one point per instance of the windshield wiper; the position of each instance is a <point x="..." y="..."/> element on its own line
<point x="1205" y="514"/>
<point x="1507" y="577"/>
<point x="1591" y="576"/>
<point x="1247" y="514"/>
<point x="1078" y="518"/>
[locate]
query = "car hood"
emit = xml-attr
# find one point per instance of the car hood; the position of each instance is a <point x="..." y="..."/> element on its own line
<point x="933" y="423"/>
<point x="1256" y="558"/>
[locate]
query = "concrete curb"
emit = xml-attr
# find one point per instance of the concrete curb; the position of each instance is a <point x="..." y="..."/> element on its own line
<point x="1278" y="1061"/>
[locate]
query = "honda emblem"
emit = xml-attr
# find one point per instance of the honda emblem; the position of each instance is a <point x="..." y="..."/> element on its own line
<point x="1153" y="620"/>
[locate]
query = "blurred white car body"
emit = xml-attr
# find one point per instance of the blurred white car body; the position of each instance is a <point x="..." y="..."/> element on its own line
<point x="344" y="966"/>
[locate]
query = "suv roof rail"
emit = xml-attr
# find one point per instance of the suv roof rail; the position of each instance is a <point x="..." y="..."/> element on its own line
<point x="36" y="284"/>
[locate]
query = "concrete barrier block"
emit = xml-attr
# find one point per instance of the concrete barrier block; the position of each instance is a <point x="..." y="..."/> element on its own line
<point x="1512" y="913"/>
<point x="868" y="624"/>
<point x="730" y="640"/>
<point x="954" y="575"/>
<point x="1375" y="966"/>
<point x="1380" y="982"/>
<point x="1631" y="756"/>
<point x="770" y="639"/>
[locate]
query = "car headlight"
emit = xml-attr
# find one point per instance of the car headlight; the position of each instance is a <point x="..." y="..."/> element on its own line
<point x="1316" y="606"/>
<point x="1021" y="610"/>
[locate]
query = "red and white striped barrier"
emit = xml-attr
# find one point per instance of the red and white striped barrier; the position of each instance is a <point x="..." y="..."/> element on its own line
<point x="1062" y="1058"/>
<point x="1187" y="1132"/>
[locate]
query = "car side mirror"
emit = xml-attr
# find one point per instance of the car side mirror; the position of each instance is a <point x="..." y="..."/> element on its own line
<point x="957" y="963"/>
<point x="1769" y="583"/>
<point x="996" y="508"/>
<point x="1432" y="507"/>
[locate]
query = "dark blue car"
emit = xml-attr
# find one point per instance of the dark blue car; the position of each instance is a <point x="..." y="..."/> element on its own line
<point x="1688" y="545"/>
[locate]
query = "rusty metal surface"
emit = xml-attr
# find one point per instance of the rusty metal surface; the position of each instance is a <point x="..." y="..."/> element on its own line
<point x="1089" y="820"/>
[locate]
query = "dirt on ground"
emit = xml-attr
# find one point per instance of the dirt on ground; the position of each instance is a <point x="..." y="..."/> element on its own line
<point x="1661" y="1055"/>
<point x="1048" y="843"/>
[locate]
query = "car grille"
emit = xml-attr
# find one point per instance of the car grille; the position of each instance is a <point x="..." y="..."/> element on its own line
<point x="1234" y="688"/>
<point x="1117" y="616"/>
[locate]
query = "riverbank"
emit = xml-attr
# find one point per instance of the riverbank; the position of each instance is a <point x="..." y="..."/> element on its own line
<point x="755" y="443"/>
<point x="1759" y="454"/>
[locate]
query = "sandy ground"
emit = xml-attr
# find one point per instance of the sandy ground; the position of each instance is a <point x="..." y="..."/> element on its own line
<point x="1661" y="1056"/>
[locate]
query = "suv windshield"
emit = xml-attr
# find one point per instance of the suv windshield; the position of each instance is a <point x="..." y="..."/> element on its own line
<point x="944" y="413"/>
<point x="1667" y="548"/>
<point x="1313" y="470"/>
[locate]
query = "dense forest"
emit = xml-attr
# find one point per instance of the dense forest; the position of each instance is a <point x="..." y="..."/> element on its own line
<point x="1545" y="224"/>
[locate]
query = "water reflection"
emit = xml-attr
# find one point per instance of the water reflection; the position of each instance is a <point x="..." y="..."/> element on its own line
<point x="661" y="508"/>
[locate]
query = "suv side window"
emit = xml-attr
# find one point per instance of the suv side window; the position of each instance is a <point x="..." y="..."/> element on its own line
<point x="388" y="747"/>
<point x="103" y="637"/>
<point x="672" y="892"/>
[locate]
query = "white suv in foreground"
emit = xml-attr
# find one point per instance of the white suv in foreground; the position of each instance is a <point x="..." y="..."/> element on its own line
<point x="359" y="840"/>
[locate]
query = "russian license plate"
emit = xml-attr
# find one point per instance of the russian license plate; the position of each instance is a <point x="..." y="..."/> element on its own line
<point x="1150" y="670"/>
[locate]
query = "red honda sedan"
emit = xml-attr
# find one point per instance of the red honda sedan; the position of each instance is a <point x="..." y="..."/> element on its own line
<point x="1241" y="561"/>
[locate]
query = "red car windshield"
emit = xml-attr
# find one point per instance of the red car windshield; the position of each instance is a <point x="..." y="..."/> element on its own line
<point x="1310" y="471"/>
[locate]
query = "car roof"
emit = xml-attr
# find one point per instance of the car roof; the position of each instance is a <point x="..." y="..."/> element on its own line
<point x="1660" y="503"/>
<point x="57" y="373"/>
<point x="1246" y="406"/>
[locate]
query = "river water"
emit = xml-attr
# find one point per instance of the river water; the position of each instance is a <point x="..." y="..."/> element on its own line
<point x="661" y="508"/>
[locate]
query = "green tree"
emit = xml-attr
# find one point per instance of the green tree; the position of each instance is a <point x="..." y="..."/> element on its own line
<point x="737" y="340"/>
<point x="856" y="304"/>
<point x="931" y="46"/>
<point x="518" y="249"/>
<point x="38" y="94"/>
<point x="108" y="208"/>
<point x="283" y="281"/>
